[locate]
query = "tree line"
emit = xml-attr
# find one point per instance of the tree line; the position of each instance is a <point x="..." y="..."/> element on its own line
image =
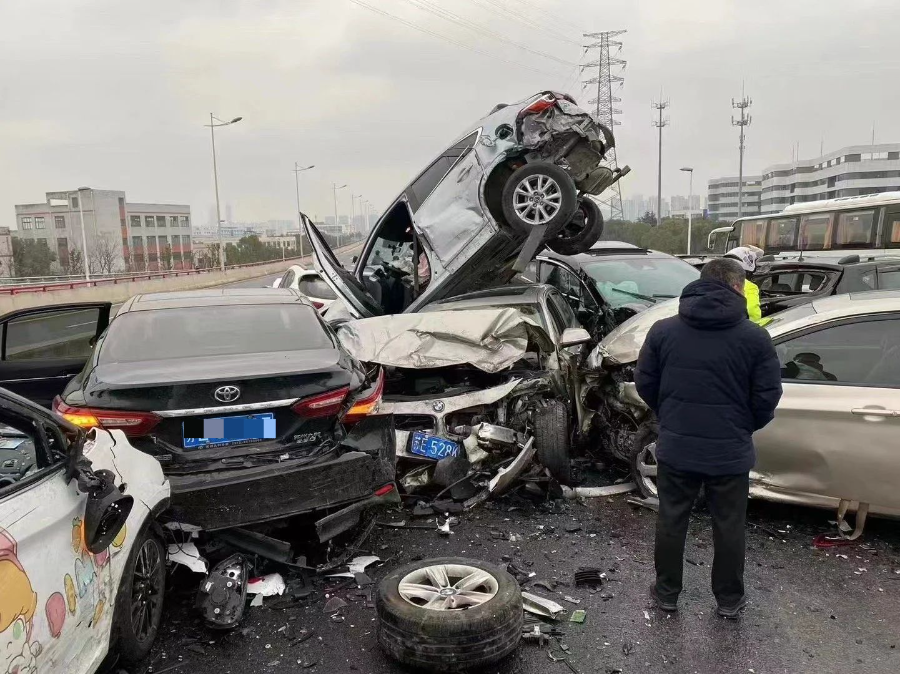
<point x="670" y="237"/>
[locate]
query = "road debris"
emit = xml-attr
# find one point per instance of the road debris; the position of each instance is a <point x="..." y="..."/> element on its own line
<point x="597" y="492"/>
<point x="541" y="606"/>
<point x="267" y="586"/>
<point x="578" y="616"/>
<point x="221" y="596"/>
<point x="187" y="555"/>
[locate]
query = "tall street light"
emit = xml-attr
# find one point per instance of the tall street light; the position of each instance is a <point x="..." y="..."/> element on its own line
<point x="335" y="187"/>
<point x="690" y="171"/>
<point x="84" y="253"/>
<point x="297" y="172"/>
<point x="212" y="134"/>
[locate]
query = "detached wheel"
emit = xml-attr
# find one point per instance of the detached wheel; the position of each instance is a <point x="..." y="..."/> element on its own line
<point x="140" y="600"/>
<point x="449" y="614"/>
<point x="539" y="194"/>
<point x="643" y="459"/>
<point x="552" y="439"/>
<point x="581" y="232"/>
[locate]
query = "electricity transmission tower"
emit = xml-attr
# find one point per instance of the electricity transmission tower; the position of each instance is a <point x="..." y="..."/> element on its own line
<point x="744" y="121"/>
<point x="605" y="112"/>
<point x="660" y="124"/>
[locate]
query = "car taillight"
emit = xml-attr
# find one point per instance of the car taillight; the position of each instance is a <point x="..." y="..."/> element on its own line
<point x="385" y="490"/>
<point x="133" y="424"/>
<point x="365" y="405"/>
<point x="321" y="405"/>
<point x="541" y="104"/>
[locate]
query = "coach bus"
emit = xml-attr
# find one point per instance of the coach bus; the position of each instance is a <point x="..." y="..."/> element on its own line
<point x="867" y="225"/>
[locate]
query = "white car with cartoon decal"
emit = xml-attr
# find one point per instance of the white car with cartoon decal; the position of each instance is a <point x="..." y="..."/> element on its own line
<point x="82" y="564"/>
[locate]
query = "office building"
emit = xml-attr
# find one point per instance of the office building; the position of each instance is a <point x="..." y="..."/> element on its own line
<point x="121" y="236"/>
<point x="722" y="197"/>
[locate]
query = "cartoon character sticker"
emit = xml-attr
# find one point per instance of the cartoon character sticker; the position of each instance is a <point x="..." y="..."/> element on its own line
<point x="18" y="603"/>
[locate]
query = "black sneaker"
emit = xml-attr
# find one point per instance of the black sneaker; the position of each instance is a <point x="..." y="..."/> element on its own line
<point x="668" y="607"/>
<point x="732" y="611"/>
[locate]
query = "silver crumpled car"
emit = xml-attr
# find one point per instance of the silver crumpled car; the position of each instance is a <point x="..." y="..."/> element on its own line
<point x="519" y="179"/>
<point x="834" y="440"/>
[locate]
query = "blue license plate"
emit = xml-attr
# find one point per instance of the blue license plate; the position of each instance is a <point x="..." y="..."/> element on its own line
<point x="222" y="431"/>
<point x="433" y="447"/>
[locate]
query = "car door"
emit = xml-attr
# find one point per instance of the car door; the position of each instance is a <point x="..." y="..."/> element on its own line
<point x="55" y="603"/>
<point x="836" y="428"/>
<point x="42" y="348"/>
<point x="580" y="298"/>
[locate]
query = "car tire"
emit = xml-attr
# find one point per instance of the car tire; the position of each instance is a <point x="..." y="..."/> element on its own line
<point x="582" y="231"/>
<point x="552" y="439"/>
<point x="143" y="580"/>
<point x="643" y="459"/>
<point x="553" y="182"/>
<point x="448" y="639"/>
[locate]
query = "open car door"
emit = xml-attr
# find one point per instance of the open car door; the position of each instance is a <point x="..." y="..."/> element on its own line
<point x="359" y="303"/>
<point x="42" y="348"/>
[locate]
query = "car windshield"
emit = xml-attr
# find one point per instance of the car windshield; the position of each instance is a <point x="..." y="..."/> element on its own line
<point x="645" y="279"/>
<point x="192" y="332"/>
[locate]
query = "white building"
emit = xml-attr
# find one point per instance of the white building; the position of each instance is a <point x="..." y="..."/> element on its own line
<point x="120" y="236"/>
<point x="722" y="197"/>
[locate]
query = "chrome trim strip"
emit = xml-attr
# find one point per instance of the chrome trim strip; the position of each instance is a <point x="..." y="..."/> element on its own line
<point x="226" y="409"/>
<point x="18" y="381"/>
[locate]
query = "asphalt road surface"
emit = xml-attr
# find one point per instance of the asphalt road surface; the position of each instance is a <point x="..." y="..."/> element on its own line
<point x="810" y="610"/>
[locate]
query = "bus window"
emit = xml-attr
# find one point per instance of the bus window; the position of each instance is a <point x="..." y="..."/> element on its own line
<point x="892" y="229"/>
<point x="855" y="230"/>
<point x="782" y="234"/>
<point x="753" y="233"/>
<point x="816" y="231"/>
<point x="717" y="240"/>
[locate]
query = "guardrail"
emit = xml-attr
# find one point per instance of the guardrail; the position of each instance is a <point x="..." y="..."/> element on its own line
<point x="129" y="277"/>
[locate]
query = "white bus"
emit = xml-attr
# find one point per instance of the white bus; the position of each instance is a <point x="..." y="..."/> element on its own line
<point x="867" y="225"/>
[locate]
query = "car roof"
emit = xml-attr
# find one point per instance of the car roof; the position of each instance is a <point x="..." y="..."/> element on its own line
<point x="836" y="307"/>
<point x="607" y="250"/>
<point x="829" y="264"/>
<point x="209" y="297"/>
<point x="529" y="293"/>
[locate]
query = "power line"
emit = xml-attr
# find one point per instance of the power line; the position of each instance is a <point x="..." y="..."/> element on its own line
<point x="452" y="41"/>
<point x="605" y="110"/>
<point x="553" y="17"/>
<point x="505" y="12"/>
<point x="447" y="15"/>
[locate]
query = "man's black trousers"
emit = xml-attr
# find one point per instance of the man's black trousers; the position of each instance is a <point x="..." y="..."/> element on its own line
<point x="727" y="499"/>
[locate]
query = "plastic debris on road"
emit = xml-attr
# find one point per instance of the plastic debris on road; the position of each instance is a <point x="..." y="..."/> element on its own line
<point x="187" y="555"/>
<point x="597" y="492"/>
<point x="541" y="605"/>
<point x="267" y="586"/>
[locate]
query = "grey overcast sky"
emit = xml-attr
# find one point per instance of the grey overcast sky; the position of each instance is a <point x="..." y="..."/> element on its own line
<point x="114" y="93"/>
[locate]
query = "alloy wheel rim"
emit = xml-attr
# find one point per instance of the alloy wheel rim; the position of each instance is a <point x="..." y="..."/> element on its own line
<point x="448" y="587"/>
<point x="537" y="199"/>
<point x="648" y="467"/>
<point x="146" y="590"/>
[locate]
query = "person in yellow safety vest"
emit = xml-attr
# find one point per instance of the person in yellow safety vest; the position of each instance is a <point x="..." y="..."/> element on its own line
<point x="748" y="256"/>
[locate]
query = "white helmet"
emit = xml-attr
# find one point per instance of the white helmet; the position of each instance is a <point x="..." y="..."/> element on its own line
<point x="748" y="256"/>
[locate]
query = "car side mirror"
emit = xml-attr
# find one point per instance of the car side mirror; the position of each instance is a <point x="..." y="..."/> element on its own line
<point x="106" y="511"/>
<point x="574" y="337"/>
<point x="277" y="283"/>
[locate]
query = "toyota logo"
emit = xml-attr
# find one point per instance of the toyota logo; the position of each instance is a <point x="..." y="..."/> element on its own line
<point x="227" y="394"/>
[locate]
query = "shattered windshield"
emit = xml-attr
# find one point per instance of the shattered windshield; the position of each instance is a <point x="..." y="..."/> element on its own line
<point x="644" y="279"/>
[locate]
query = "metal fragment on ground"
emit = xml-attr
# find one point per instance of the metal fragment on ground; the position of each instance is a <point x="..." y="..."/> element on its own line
<point x="541" y="605"/>
<point x="597" y="492"/>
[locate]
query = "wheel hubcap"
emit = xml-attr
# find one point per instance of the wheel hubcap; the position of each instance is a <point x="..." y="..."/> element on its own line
<point x="448" y="587"/>
<point x="647" y="468"/>
<point x="537" y="199"/>
<point x="146" y="590"/>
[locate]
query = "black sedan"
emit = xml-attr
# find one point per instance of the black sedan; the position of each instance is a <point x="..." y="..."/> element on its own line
<point x="248" y="401"/>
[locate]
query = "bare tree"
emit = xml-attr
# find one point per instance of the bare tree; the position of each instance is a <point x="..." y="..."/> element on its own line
<point x="104" y="254"/>
<point x="76" y="262"/>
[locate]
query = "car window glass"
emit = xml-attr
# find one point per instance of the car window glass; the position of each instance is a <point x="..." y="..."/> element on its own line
<point x="753" y="233"/>
<point x="640" y="280"/>
<point x="315" y="287"/>
<point x="562" y="313"/>
<point x="288" y="279"/>
<point x="18" y="457"/>
<point x="889" y="280"/>
<point x="64" y="333"/>
<point x="815" y="231"/>
<point x="531" y="272"/>
<point x="419" y="190"/>
<point x="892" y="230"/>
<point x="782" y="234"/>
<point x="868" y="280"/>
<point x="393" y="240"/>
<point x="792" y="283"/>
<point x="863" y="354"/>
<point x="855" y="229"/>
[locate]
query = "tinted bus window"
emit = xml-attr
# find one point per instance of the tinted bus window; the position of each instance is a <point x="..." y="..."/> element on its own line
<point x="892" y="229"/>
<point x="782" y="234"/>
<point x="816" y="231"/>
<point x="753" y="233"/>
<point x="855" y="230"/>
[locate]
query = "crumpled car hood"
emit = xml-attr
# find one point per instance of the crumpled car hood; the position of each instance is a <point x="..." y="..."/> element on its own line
<point x="623" y="344"/>
<point x="489" y="339"/>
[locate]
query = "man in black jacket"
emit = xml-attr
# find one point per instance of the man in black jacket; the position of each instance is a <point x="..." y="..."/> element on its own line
<point x="712" y="377"/>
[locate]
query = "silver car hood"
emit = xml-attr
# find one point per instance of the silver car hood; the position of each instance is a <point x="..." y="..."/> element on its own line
<point x="623" y="344"/>
<point x="490" y="339"/>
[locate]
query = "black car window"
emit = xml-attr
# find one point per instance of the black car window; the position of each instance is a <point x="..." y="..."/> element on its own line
<point x="422" y="186"/>
<point x="195" y="332"/>
<point x="62" y="333"/>
<point x="563" y="316"/>
<point x="889" y="279"/>
<point x="865" y="353"/>
<point x="793" y="282"/>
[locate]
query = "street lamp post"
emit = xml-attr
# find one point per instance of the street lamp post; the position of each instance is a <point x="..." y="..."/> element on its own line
<point x="297" y="172"/>
<point x="335" y="188"/>
<point x="84" y="250"/>
<point x="690" y="171"/>
<point x="212" y="134"/>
